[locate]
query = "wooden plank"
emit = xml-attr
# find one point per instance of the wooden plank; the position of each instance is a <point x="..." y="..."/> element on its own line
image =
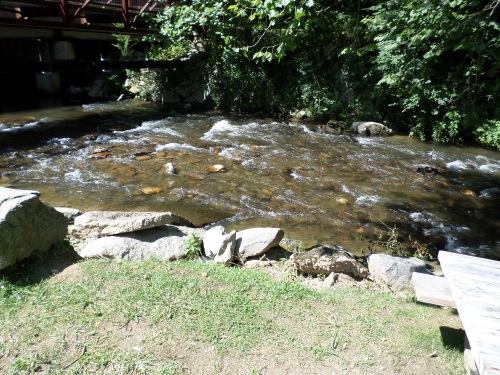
<point x="475" y="286"/>
<point x="432" y="289"/>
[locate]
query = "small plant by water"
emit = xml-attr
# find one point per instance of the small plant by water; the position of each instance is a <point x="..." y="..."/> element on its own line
<point x="193" y="246"/>
<point x="388" y="240"/>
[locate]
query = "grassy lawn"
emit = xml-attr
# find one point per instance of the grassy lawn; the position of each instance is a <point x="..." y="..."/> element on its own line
<point x="190" y="317"/>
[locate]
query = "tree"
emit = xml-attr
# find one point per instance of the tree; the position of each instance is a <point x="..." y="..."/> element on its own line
<point x="440" y="62"/>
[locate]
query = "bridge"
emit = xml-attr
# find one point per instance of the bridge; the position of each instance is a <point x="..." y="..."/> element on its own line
<point x="81" y="16"/>
<point x="47" y="45"/>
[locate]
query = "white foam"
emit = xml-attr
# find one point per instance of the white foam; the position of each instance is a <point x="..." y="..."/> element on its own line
<point x="219" y="127"/>
<point x="177" y="146"/>
<point x="158" y="126"/>
<point x="76" y="175"/>
<point x="367" y="199"/>
<point x="418" y="216"/>
<point x="457" y="164"/>
<point x="224" y="127"/>
<point x="29" y="125"/>
<point x="489" y="192"/>
<point x="490" y="168"/>
<point x="345" y="189"/>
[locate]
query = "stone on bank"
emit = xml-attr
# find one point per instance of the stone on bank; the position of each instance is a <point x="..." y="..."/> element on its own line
<point x="219" y="246"/>
<point x="107" y="223"/>
<point x="328" y="259"/>
<point x="394" y="272"/>
<point x="166" y="242"/>
<point x="26" y="225"/>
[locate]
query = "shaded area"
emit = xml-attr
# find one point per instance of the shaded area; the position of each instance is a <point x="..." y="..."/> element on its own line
<point x="453" y="338"/>
<point x="39" y="267"/>
<point x="478" y="216"/>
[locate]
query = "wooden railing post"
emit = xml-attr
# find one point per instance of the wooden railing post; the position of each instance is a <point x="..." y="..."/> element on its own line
<point x="63" y="6"/>
<point x="126" y="13"/>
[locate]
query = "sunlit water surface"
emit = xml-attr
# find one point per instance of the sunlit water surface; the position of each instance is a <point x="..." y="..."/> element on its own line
<point x="319" y="188"/>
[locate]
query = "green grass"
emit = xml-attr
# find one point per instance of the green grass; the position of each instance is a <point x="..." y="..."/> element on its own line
<point x="191" y="317"/>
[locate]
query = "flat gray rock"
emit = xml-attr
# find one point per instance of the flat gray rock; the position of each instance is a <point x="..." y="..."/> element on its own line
<point x="255" y="241"/>
<point x="106" y="223"/>
<point x="394" y="272"/>
<point x="166" y="243"/>
<point x="26" y="225"/>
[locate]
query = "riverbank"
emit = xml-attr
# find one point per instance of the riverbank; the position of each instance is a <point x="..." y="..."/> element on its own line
<point x="62" y="315"/>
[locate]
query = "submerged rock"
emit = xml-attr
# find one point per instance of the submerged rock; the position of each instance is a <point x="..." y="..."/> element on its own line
<point x="149" y="190"/>
<point x="217" y="168"/>
<point x="328" y="259"/>
<point x="170" y="169"/>
<point x="26" y="225"/>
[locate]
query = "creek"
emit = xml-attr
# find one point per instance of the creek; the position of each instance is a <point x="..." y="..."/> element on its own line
<point x="319" y="188"/>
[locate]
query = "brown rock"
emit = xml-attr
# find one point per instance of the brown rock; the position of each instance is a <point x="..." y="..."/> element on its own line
<point x="217" y="168"/>
<point x="99" y="155"/>
<point x="143" y="157"/>
<point x="152" y="190"/>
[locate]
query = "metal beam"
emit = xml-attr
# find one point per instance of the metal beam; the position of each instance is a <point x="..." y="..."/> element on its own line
<point x="73" y="65"/>
<point x="79" y="10"/>
<point x="64" y="10"/>
<point x="23" y="23"/>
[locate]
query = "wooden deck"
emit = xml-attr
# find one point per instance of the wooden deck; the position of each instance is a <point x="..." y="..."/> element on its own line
<point x="475" y="286"/>
<point x="433" y="290"/>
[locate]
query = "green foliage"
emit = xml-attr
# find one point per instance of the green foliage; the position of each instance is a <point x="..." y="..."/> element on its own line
<point x="439" y="60"/>
<point x="426" y="66"/>
<point x="193" y="246"/>
<point x="125" y="44"/>
<point x="389" y="241"/>
<point x="151" y="83"/>
<point x="489" y="133"/>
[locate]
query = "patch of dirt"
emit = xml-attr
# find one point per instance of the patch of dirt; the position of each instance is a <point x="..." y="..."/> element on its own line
<point x="70" y="274"/>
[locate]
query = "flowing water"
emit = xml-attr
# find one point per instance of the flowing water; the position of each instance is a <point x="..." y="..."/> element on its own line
<point x="319" y="188"/>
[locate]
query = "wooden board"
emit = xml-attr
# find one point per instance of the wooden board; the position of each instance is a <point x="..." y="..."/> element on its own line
<point x="432" y="289"/>
<point x="475" y="286"/>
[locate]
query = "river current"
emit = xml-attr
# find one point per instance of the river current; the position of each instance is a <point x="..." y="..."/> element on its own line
<point x="319" y="188"/>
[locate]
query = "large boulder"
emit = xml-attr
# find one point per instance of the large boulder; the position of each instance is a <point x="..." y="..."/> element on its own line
<point x="26" y="225"/>
<point x="69" y="213"/>
<point x="327" y="259"/>
<point x="370" y="128"/>
<point x="107" y="223"/>
<point x="219" y="246"/>
<point x="166" y="243"/>
<point x="255" y="241"/>
<point x="394" y="272"/>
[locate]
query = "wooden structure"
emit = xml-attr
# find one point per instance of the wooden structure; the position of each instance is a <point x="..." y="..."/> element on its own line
<point x="475" y="287"/>
<point x="433" y="290"/>
<point x="81" y="15"/>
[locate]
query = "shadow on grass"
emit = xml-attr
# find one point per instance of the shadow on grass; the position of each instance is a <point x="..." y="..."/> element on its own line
<point x="453" y="338"/>
<point x="41" y="266"/>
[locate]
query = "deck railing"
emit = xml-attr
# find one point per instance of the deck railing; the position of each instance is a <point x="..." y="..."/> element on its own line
<point x="74" y="13"/>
